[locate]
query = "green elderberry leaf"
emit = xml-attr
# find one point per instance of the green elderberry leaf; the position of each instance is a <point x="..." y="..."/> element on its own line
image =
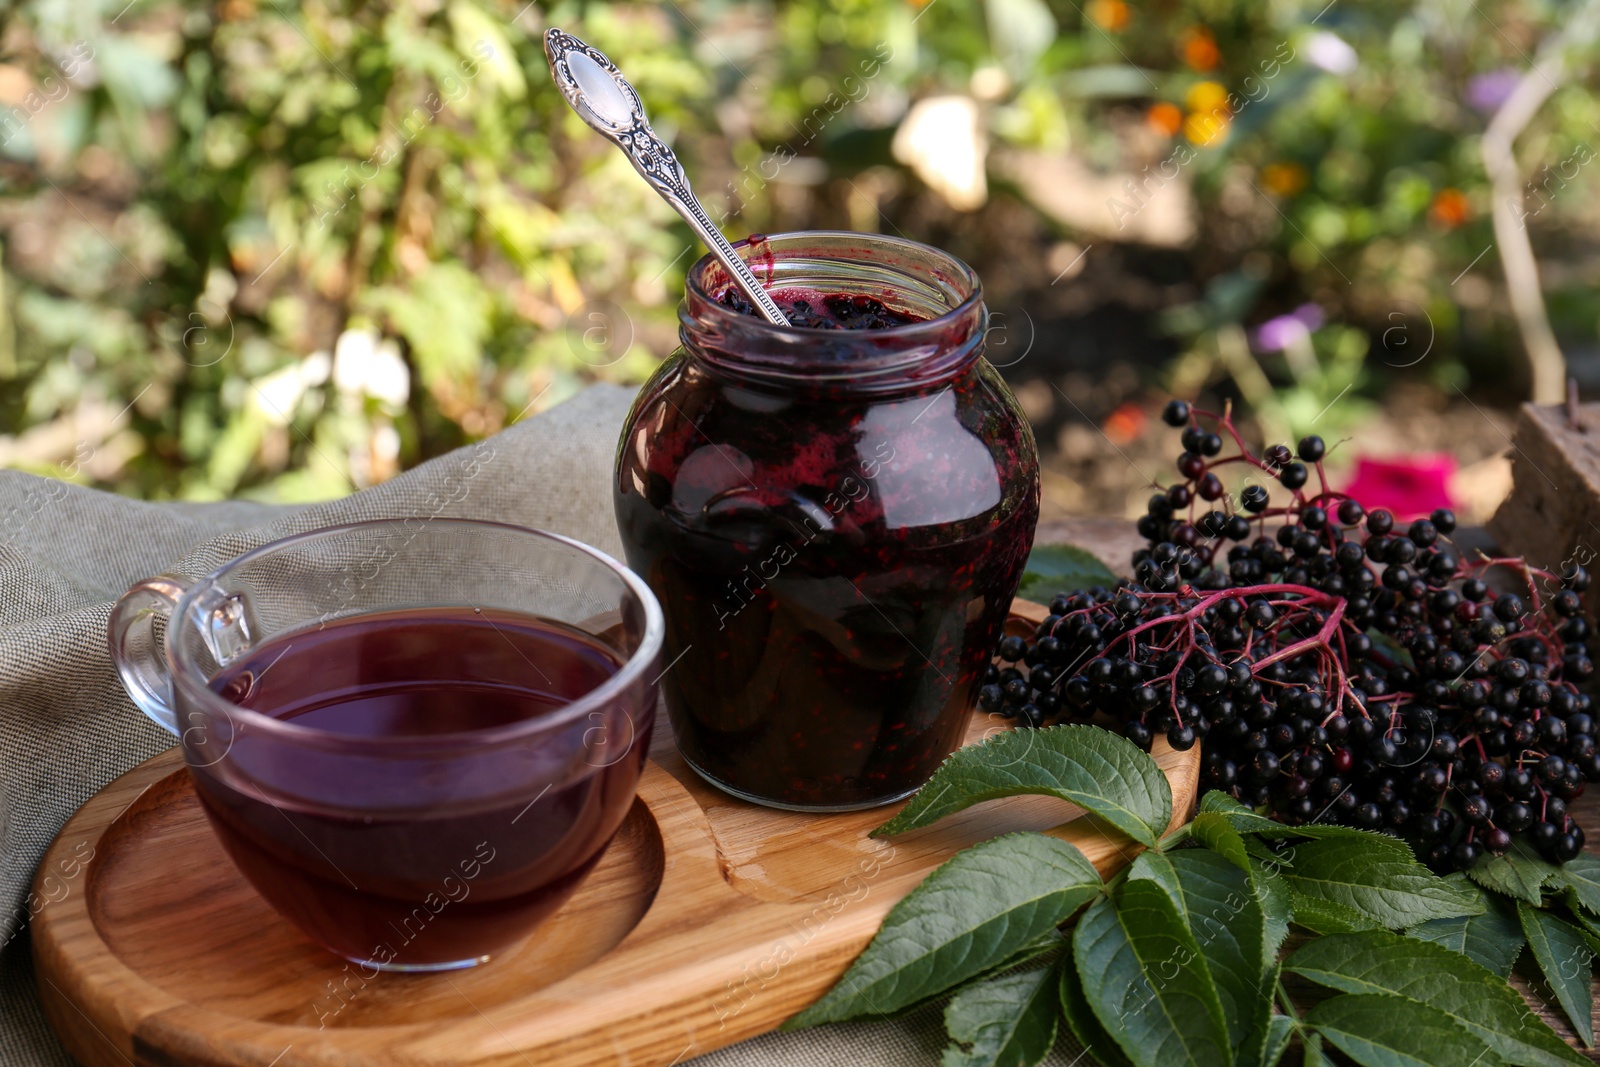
<point x="1520" y="873"/>
<point x="1390" y="1031"/>
<point x="1217" y="902"/>
<point x="1268" y="1033"/>
<point x="1582" y="876"/>
<point x="1243" y="819"/>
<point x="1323" y="916"/>
<point x="1564" y="955"/>
<point x="1085" y="1027"/>
<point x="1146" y="981"/>
<point x="1472" y="996"/>
<point x="1053" y="569"/>
<point x="977" y="910"/>
<point x="1247" y="822"/>
<point x="1213" y="830"/>
<point x="1008" y="1021"/>
<point x="1277" y="1043"/>
<point x="1390" y="888"/>
<point x="1090" y="767"/>
<point x="1277" y="904"/>
<point x="1492" y="940"/>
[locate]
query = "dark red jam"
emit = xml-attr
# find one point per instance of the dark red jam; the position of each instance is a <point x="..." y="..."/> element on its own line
<point x="825" y="311"/>
<point x="835" y="530"/>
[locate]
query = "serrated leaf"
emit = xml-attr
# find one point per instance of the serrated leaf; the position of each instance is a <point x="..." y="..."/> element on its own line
<point x="1329" y="831"/>
<point x="1472" y="996"/>
<point x="1243" y="819"/>
<point x="1213" y="830"/>
<point x="1323" y="916"/>
<point x="1250" y="824"/>
<point x="1393" y="889"/>
<point x="1582" y="876"/>
<point x="1493" y="940"/>
<point x="1090" y="767"/>
<point x="1266" y="1036"/>
<point x="1585" y="923"/>
<point x="1278" y="1043"/>
<point x="1389" y="1031"/>
<point x="1053" y="569"/>
<point x="1083" y="1023"/>
<point x="973" y="912"/>
<point x="1049" y="941"/>
<point x="1564" y="955"/>
<point x="1264" y="852"/>
<point x="1277" y="905"/>
<point x="1520" y="873"/>
<point x="1008" y="1021"/>
<point x="1217" y="902"/>
<point x="1226" y="919"/>
<point x="1146" y="981"/>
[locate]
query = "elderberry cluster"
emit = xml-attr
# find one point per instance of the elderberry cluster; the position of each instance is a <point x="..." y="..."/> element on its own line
<point x="1339" y="667"/>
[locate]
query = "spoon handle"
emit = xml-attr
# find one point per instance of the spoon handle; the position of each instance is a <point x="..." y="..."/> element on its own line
<point x="616" y="113"/>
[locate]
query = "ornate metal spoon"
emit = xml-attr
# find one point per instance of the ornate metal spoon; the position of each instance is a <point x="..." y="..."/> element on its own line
<point x="603" y="98"/>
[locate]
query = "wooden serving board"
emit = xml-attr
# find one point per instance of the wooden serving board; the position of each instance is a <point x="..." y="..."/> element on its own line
<point x="708" y="921"/>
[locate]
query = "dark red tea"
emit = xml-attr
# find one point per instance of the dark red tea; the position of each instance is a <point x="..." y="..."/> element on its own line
<point x="425" y="880"/>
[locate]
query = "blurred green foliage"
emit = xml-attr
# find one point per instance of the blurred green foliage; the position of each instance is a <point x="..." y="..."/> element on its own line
<point x="277" y="249"/>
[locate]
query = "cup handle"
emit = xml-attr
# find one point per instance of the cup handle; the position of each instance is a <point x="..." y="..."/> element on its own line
<point x="140" y="659"/>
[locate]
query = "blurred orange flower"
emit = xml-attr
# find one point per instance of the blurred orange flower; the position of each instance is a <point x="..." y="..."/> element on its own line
<point x="1199" y="49"/>
<point x="1449" y="208"/>
<point x="1285" y="179"/>
<point x="1125" y="424"/>
<point x="1110" y="15"/>
<point x="1165" y="118"/>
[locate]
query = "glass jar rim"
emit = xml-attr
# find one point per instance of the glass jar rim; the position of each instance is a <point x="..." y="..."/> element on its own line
<point x="945" y="288"/>
<point x="185" y="671"/>
<point x="959" y="273"/>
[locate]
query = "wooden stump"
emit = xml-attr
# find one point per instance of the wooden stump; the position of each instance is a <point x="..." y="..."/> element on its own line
<point x="1552" y="516"/>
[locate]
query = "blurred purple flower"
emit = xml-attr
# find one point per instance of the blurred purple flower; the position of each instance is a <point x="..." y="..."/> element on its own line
<point x="1487" y="92"/>
<point x="1279" y="333"/>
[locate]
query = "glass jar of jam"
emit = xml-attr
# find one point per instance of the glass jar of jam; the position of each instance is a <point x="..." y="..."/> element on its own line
<point x="834" y="514"/>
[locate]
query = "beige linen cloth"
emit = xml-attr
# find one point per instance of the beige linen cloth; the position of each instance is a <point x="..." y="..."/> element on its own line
<point x="67" y="553"/>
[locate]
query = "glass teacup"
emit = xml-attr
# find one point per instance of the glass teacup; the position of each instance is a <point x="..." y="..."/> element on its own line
<point x="414" y="737"/>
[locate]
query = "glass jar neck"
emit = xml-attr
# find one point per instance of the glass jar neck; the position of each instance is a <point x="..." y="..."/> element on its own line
<point x="907" y="277"/>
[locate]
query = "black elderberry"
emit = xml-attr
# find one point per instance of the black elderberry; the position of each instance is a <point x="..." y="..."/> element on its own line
<point x="1176" y="413"/>
<point x="1477" y="810"/>
<point x="1293" y="476"/>
<point x="1515" y="817"/>
<point x="1509" y="606"/>
<point x="1260" y="615"/>
<point x="1422" y="533"/>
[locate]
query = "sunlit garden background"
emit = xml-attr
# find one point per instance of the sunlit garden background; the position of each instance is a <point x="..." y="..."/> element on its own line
<point x="280" y="250"/>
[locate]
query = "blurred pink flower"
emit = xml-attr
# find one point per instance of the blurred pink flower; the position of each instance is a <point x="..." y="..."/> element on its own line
<point x="1276" y="334"/>
<point x="1409" y="486"/>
